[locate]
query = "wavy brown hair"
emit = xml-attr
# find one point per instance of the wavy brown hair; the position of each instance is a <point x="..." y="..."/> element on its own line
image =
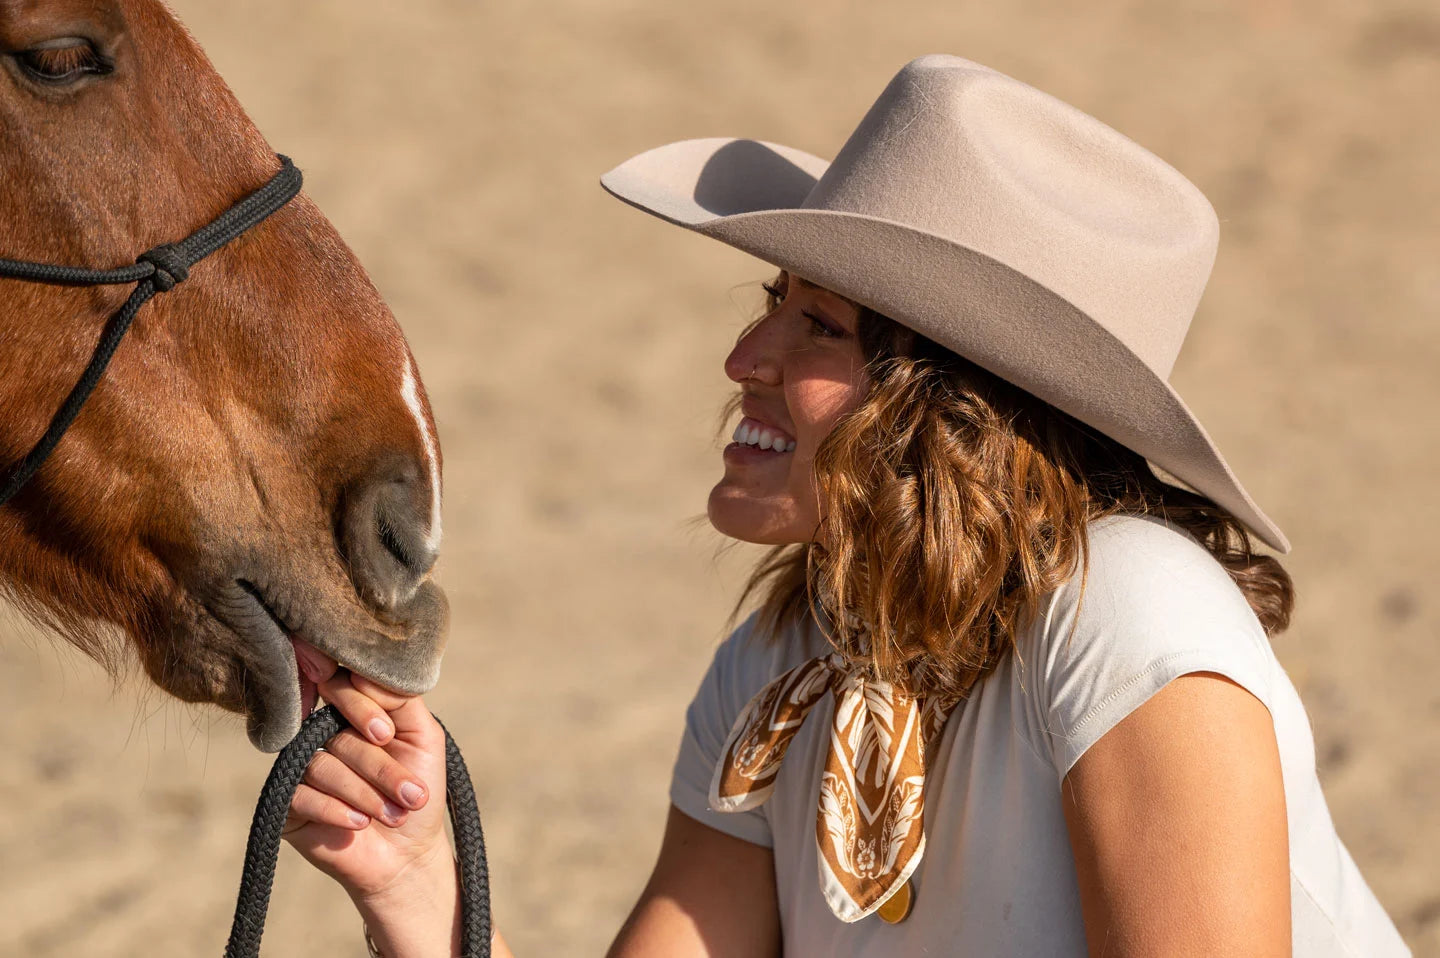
<point x="952" y="502"/>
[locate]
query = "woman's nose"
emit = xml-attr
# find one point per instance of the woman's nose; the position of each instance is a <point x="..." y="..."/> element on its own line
<point x="754" y="357"/>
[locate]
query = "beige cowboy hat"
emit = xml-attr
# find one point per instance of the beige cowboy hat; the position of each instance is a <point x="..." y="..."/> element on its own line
<point x="1009" y="227"/>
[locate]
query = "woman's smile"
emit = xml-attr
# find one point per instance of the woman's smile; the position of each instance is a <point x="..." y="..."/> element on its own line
<point x="754" y="434"/>
<point x="800" y="369"/>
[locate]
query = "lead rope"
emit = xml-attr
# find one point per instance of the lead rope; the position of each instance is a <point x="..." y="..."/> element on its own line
<point x="271" y="811"/>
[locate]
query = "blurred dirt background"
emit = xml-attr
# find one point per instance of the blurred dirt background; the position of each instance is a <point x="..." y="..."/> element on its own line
<point x="572" y="349"/>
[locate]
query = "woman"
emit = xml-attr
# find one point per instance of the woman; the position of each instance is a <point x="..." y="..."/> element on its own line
<point x="1007" y="692"/>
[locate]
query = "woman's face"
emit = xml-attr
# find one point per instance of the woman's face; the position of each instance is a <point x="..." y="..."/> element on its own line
<point x="800" y="368"/>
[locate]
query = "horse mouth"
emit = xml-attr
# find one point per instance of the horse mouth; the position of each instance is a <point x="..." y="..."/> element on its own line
<point x="281" y="661"/>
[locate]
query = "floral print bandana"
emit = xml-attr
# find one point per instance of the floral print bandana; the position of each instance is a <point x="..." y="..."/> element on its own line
<point x="869" y="827"/>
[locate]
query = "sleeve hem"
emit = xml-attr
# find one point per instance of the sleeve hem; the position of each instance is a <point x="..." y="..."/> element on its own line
<point x="747" y="826"/>
<point x="1109" y="712"/>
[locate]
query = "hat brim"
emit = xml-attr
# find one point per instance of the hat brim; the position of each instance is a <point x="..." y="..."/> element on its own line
<point x="749" y="195"/>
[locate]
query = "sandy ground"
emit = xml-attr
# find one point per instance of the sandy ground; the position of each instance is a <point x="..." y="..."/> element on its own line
<point x="572" y="351"/>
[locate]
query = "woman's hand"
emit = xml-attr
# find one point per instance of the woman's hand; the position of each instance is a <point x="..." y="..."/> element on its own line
<point x="393" y="776"/>
<point x="370" y="813"/>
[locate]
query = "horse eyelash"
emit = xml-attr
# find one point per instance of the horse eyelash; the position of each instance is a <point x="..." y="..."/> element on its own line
<point x="63" y="64"/>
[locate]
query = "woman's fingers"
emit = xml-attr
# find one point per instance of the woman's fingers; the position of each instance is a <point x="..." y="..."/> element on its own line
<point x="332" y="776"/>
<point x="415" y="725"/>
<point x="312" y="806"/>
<point x="353" y="781"/>
<point x="383" y="697"/>
<point x="377" y="768"/>
<point x="364" y="703"/>
<point x="402" y="725"/>
<point x="362" y="711"/>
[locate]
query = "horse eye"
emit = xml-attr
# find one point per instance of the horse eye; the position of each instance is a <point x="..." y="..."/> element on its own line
<point x="63" y="62"/>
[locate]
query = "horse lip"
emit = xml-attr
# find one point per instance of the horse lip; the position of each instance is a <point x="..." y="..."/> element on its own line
<point x="273" y="701"/>
<point x="272" y="689"/>
<point x="270" y="607"/>
<point x="304" y="652"/>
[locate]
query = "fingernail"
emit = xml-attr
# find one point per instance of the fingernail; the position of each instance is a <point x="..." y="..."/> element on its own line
<point x="391" y="812"/>
<point x="360" y="819"/>
<point x="412" y="794"/>
<point x="379" y="731"/>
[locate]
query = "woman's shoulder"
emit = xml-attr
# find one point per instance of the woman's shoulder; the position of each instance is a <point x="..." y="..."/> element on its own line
<point x="1143" y="568"/>
<point x="1153" y="604"/>
<point x="751" y="656"/>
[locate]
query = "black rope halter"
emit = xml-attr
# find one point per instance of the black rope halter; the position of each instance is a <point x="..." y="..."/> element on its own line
<point x="156" y="270"/>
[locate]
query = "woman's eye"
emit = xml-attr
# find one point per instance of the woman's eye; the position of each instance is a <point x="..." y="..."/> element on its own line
<point x="62" y="64"/>
<point x="820" y="327"/>
<point x="774" y="294"/>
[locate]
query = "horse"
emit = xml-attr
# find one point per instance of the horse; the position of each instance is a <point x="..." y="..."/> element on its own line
<point x="257" y="478"/>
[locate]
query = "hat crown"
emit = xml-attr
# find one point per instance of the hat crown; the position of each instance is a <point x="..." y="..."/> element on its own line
<point x="964" y="152"/>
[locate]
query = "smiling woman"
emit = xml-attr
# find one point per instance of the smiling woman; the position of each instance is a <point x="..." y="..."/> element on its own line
<point x="256" y="476"/>
<point x="1009" y="690"/>
<point x="1016" y="480"/>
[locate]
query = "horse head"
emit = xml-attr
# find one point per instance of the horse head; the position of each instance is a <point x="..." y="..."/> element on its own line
<point x="258" y="471"/>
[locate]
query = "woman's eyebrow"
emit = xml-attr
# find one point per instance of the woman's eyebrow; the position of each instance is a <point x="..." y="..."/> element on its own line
<point x="837" y="307"/>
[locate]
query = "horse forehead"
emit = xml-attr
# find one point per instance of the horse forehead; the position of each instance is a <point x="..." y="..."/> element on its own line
<point x="22" y="15"/>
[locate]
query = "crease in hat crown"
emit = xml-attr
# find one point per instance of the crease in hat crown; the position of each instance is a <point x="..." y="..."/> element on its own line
<point x="1007" y="225"/>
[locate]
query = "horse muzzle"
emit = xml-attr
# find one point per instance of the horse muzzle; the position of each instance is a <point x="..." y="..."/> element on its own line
<point x="402" y="652"/>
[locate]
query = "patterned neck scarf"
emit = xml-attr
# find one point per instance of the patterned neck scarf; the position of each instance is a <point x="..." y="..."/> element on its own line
<point x="869" y="827"/>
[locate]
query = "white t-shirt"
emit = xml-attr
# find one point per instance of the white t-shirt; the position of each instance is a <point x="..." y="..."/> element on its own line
<point x="998" y="877"/>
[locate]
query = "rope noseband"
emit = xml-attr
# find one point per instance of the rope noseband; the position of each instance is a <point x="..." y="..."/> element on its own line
<point x="156" y="270"/>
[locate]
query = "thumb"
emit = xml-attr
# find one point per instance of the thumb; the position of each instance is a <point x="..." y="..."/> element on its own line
<point x="383" y="697"/>
<point x="412" y="719"/>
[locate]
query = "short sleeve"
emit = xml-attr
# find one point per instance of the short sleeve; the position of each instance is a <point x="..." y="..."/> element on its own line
<point x="1155" y="605"/>
<point x="738" y="671"/>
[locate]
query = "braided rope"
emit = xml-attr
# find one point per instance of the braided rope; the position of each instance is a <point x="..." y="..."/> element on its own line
<point x="262" y="848"/>
<point x="115" y="330"/>
<point x="156" y="270"/>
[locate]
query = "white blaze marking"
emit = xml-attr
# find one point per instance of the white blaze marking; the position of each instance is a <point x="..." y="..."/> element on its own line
<point x="411" y="394"/>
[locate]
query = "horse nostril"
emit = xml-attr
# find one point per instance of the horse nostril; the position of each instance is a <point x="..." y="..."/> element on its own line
<point x="384" y="536"/>
<point x="392" y="543"/>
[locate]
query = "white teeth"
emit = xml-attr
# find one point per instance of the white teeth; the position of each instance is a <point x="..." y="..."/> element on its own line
<point x="762" y="437"/>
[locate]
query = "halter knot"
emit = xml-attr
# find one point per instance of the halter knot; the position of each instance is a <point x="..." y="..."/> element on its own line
<point x="171" y="266"/>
